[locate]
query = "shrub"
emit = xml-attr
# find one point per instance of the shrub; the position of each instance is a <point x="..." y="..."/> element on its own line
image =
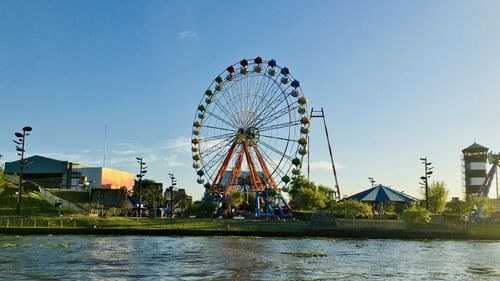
<point x="350" y="209"/>
<point x="1" y="179"/>
<point x="200" y="209"/>
<point x="416" y="216"/>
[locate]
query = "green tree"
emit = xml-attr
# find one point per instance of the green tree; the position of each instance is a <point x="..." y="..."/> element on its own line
<point x="307" y="196"/>
<point x="234" y="199"/>
<point x="309" y="199"/>
<point x="414" y="215"/>
<point x="151" y="193"/>
<point x="201" y="209"/>
<point x="252" y="204"/>
<point x="350" y="209"/>
<point x="298" y="184"/>
<point x="438" y="194"/>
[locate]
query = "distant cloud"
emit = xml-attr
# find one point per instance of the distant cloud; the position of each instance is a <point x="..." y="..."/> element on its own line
<point x="180" y="144"/>
<point x="166" y="154"/>
<point x="322" y="165"/>
<point x="187" y="34"/>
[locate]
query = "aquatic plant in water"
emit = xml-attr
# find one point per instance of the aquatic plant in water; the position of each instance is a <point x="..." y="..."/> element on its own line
<point x="64" y="245"/>
<point x="311" y="254"/>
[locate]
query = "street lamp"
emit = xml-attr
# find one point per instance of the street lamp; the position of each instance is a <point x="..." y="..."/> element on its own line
<point x="171" y="187"/>
<point x="89" y="183"/>
<point x="20" y="151"/>
<point x="372" y="181"/>
<point x="142" y="172"/>
<point x="425" y="179"/>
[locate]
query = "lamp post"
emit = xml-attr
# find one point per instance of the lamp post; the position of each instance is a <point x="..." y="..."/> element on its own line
<point x="425" y="178"/>
<point x="90" y="195"/>
<point x="372" y="181"/>
<point x="173" y="183"/>
<point x="142" y="172"/>
<point x="20" y="151"/>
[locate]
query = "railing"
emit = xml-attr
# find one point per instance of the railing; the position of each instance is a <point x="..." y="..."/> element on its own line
<point x="370" y="223"/>
<point x="53" y="200"/>
<point x="47" y="195"/>
<point x="157" y="224"/>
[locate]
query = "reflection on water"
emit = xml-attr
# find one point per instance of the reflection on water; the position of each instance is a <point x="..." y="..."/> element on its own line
<point x="205" y="258"/>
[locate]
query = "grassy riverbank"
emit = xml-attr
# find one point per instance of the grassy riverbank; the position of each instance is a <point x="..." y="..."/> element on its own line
<point x="221" y="227"/>
<point x="31" y="203"/>
<point x="39" y="217"/>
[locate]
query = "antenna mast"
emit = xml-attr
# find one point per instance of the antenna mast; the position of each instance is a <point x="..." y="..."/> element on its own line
<point x="105" y="144"/>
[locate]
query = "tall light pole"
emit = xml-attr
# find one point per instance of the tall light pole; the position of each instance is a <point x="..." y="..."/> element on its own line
<point x="142" y="172"/>
<point x="173" y="183"/>
<point x="90" y="195"/>
<point x="372" y="181"/>
<point x="425" y="178"/>
<point x="20" y="151"/>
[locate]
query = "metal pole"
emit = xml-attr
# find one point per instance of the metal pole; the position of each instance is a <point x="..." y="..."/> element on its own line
<point x="90" y="198"/>
<point x="309" y="145"/>
<point x="172" y="197"/>
<point x="140" y="187"/>
<point x="21" y="170"/>
<point x="321" y="114"/>
<point x="426" y="186"/>
<point x="331" y="154"/>
<point x="496" y="177"/>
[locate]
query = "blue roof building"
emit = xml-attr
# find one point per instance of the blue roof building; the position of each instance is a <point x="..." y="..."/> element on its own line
<point x="383" y="194"/>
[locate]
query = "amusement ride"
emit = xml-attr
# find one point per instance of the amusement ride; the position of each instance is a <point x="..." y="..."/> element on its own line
<point x="250" y="133"/>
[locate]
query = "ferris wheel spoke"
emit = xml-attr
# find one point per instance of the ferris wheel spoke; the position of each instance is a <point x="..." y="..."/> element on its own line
<point x="277" y="115"/>
<point x="216" y="137"/>
<point x="229" y="123"/>
<point x="279" y="126"/>
<point x="263" y="103"/>
<point x="229" y="119"/>
<point x="268" y="108"/>
<point x="280" y="153"/>
<point x="218" y="128"/>
<point x="233" y="97"/>
<point x="225" y="102"/>
<point x="278" y="138"/>
<point x="216" y="158"/>
<point x="253" y="107"/>
<point x="275" y="167"/>
<point x="212" y="166"/>
<point x="216" y="147"/>
<point x="230" y="109"/>
<point x="274" y="103"/>
<point x="259" y="99"/>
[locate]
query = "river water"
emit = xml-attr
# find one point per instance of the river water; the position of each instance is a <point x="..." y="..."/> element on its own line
<point x="216" y="258"/>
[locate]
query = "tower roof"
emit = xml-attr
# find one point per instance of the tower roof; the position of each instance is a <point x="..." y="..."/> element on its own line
<point x="475" y="147"/>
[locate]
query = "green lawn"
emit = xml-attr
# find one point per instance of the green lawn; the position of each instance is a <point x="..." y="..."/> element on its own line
<point x="31" y="203"/>
<point x="36" y="212"/>
<point x="147" y="223"/>
<point x="73" y="196"/>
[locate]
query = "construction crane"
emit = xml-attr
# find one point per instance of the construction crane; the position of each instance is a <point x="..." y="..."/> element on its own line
<point x="494" y="160"/>
<point x="478" y="214"/>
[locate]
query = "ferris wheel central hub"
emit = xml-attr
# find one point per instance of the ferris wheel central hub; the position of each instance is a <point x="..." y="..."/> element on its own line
<point x="248" y="135"/>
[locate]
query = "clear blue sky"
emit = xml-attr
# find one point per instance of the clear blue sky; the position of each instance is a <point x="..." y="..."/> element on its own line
<point x="398" y="80"/>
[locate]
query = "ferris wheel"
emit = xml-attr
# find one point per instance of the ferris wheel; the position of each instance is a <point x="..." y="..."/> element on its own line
<point x="250" y="129"/>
